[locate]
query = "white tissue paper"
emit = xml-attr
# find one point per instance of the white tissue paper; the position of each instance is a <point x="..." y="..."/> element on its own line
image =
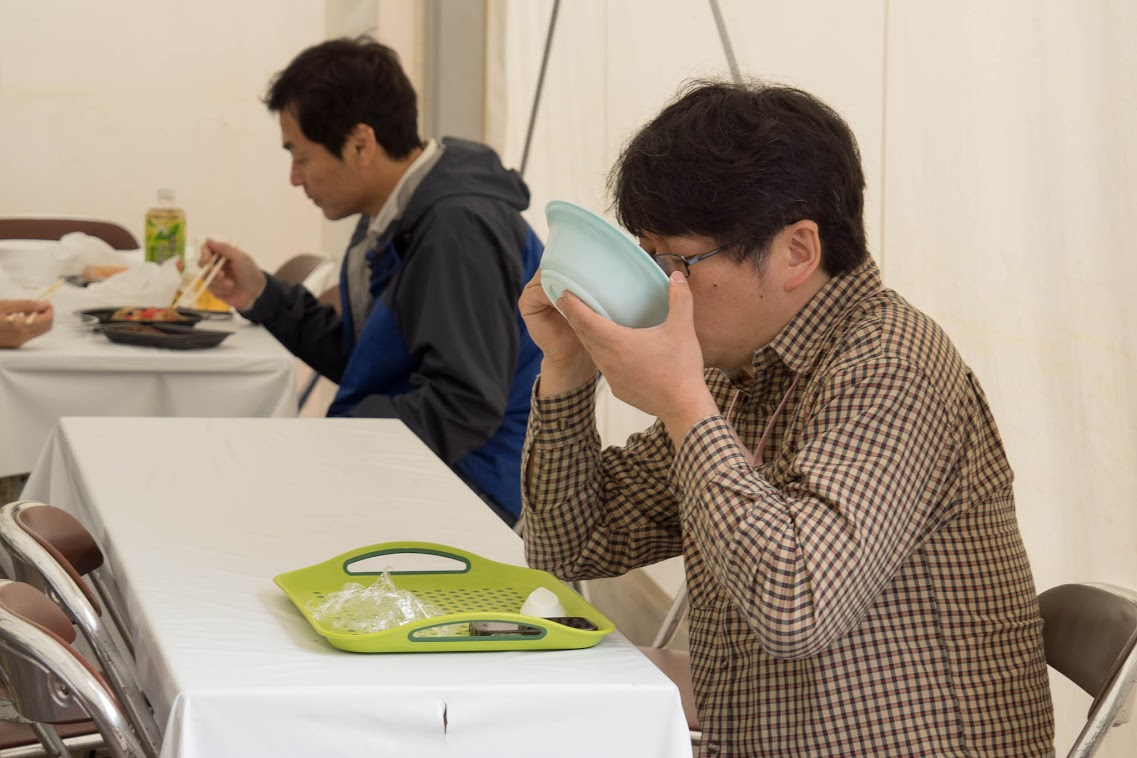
<point x="144" y="284"/>
<point x="542" y="603"/>
<point x="79" y="250"/>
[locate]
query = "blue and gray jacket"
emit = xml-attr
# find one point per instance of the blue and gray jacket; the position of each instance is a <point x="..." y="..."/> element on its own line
<point x="444" y="348"/>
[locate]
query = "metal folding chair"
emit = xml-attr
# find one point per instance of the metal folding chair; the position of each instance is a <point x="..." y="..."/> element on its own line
<point x="51" y="550"/>
<point x="49" y="681"/>
<point x="1090" y="632"/>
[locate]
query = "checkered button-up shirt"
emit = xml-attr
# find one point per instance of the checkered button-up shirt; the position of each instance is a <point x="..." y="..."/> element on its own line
<point x="863" y="590"/>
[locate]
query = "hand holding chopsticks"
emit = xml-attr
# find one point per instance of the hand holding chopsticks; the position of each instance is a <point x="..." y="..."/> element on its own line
<point x="43" y="296"/>
<point x="21" y="320"/>
<point x="199" y="284"/>
<point x="240" y="281"/>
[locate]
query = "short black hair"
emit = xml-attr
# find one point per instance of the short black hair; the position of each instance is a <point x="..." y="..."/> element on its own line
<point x="337" y="84"/>
<point x="738" y="162"/>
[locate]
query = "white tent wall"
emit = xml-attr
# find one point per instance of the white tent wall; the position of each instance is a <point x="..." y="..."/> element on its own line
<point x="1002" y="171"/>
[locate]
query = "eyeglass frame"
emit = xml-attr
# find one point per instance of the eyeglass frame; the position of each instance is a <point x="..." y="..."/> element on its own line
<point x="690" y="260"/>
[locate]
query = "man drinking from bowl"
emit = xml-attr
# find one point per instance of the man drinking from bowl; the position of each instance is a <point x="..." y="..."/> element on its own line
<point x="429" y="332"/>
<point x="823" y="459"/>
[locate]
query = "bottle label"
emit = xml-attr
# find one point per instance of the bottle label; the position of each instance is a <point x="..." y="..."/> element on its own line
<point x="165" y="238"/>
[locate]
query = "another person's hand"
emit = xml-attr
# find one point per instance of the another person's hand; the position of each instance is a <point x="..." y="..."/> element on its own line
<point x="14" y="327"/>
<point x="565" y="364"/>
<point x="240" y="281"/>
<point x="659" y="369"/>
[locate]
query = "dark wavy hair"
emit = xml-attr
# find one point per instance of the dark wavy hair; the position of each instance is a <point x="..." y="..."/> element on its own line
<point x="740" y="162"/>
<point x="337" y="84"/>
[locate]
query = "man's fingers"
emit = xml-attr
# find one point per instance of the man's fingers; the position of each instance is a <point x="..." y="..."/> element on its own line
<point x="681" y="308"/>
<point x="580" y="317"/>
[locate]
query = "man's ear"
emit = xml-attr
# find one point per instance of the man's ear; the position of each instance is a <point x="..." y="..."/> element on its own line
<point x="360" y="148"/>
<point x="803" y="247"/>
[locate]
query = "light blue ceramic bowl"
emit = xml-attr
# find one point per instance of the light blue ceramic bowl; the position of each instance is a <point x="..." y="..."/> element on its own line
<point x="602" y="266"/>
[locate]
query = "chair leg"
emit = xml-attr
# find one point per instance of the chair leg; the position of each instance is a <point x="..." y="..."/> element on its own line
<point x="308" y="388"/>
<point x="51" y="741"/>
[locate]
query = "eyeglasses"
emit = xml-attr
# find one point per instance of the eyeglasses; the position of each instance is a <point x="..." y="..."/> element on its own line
<point x="671" y="262"/>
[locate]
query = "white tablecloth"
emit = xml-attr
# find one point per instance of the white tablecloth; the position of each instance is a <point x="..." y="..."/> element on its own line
<point x="73" y="371"/>
<point x="198" y="515"/>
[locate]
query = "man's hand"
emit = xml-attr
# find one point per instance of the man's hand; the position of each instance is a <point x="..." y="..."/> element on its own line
<point x="14" y="327"/>
<point x="240" y="281"/>
<point x="565" y="365"/>
<point x="658" y="370"/>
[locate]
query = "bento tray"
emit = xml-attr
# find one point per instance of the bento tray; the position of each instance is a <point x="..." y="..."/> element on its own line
<point x="483" y="590"/>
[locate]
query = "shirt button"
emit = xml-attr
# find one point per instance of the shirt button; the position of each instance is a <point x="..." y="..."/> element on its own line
<point x="724" y="662"/>
<point x="711" y="749"/>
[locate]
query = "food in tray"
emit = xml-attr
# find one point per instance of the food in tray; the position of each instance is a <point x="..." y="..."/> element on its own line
<point x="147" y="314"/>
<point x="97" y="273"/>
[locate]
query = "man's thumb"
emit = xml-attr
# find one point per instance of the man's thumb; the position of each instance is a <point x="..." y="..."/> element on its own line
<point x="679" y="298"/>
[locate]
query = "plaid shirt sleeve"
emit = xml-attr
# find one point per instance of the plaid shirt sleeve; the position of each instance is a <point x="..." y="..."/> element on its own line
<point x="593" y="513"/>
<point x="804" y="562"/>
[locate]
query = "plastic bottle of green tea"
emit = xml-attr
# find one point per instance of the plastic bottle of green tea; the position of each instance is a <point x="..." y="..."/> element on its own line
<point x="166" y="230"/>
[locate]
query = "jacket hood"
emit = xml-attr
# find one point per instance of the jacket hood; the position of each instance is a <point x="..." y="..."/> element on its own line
<point x="466" y="168"/>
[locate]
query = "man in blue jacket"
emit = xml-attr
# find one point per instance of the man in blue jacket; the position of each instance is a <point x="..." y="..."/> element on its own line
<point x="429" y="332"/>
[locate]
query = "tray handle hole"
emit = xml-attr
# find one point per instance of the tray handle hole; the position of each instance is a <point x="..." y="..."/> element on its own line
<point x="406" y="563"/>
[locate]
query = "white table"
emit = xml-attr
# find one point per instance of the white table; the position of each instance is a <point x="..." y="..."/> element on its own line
<point x="73" y="371"/>
<point x="198" y="515"/>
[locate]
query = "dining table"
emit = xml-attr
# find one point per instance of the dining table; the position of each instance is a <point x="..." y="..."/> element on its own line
<point x="75" y="370"/>
<point x="196" y="516"/>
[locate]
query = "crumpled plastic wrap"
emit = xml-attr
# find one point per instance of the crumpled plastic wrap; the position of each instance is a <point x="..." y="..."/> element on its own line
<point x="361" y="609"/>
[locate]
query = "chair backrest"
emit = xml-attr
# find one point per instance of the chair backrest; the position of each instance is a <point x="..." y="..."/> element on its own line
<point x="47" y="679"/>
<point x="297" y="268"/>
<point x="37" y="536"/>
<point x="113" y="234"/>
<point x="1090" y="633"/>
<point x="331" y="296"/>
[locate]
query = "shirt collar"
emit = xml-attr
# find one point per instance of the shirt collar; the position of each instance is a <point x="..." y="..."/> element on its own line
<point x="800" y="342"/>
<point x="405" y="188"/>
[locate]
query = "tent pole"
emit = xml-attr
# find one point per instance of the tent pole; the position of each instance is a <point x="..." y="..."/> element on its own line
<point x="726" y="46"/>
<point x="540" y="86"/>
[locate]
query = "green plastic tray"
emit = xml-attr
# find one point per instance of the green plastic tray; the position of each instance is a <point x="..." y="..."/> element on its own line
<point x="483" y="590"/>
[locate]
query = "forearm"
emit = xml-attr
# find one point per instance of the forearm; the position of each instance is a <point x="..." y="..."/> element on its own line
<point x="593" y="513"/>
<point x="309" y="330"/>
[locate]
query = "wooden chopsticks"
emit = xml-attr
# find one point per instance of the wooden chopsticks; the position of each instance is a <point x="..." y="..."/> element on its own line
<point x="45" y="295"/>
<point x="199" y="284"/>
